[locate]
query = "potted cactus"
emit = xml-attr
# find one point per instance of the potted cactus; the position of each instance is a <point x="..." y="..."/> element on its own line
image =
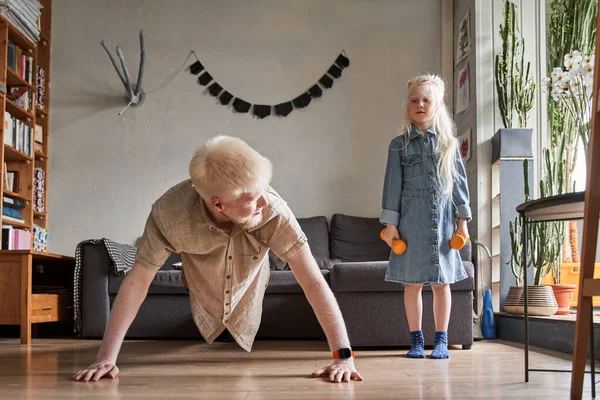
<point x="514" y="84"/>
<point x="544" y="242"/>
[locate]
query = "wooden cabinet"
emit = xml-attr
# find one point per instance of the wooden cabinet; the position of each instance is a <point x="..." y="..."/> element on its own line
<point x="35" y="288"/>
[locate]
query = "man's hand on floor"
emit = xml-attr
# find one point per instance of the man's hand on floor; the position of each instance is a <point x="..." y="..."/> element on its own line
<point x="96" y="371"/>
<point x="339" y="371"/>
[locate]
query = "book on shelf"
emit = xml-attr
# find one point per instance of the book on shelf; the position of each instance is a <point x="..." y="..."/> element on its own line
<point x="11" y="183"/>
<point x="24" y="16"/>
<point x="15" y="239"/>
<point x="17" y="134"/>
<point x="21" y="95"/>
<point x="18" y="204"/>
<point x="20" y="63"/>
<point x="40" y="86"/>
<point x="8" y="211"/>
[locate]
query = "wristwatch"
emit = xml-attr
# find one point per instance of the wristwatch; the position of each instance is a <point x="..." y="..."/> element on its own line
<point x="343" y="353"/>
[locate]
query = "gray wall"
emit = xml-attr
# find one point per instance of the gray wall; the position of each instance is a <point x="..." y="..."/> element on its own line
<point x="106" y="170"/>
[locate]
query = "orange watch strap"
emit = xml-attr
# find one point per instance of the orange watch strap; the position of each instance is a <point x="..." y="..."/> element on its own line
<point x="336" y="356"/>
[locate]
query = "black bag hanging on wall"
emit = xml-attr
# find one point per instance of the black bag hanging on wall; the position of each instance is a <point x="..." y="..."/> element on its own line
<point x="315" y="91"/>
<point x="261" y="110"/>
<point x="214" y="89"/>
<point x="302" y="101"/>
<point x="334" y="71"/>
<point x="342" y="61"/>
<point x="284" y="109"/>
<point x="196" y="68"/>
<point x="204" y="78"/>
<point x="225" y="98"/>
<point x="326" y="81"/>
<point x="240" y="105"/>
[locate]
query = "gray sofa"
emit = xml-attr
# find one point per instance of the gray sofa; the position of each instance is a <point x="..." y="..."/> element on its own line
<point x="352" y="259"/>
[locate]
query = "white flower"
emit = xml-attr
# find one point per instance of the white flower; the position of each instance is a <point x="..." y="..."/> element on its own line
<point x="572" y="58"/>
<point x="574" y="70"/>
<point x="555" y="72"/>
<point x="575" y="80"/>
<point x="562" y="80"/>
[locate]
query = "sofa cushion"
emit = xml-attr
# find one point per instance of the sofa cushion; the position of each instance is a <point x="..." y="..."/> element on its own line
<point x="357" y="239"/>
<point x="370" y="277"/>
<point x="165" y="282"/>
<point x="317" y="233"/>
<point x="285" y="282"/>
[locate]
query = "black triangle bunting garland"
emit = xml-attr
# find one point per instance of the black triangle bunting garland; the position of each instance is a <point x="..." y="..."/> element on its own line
<point x="261" y="111"/>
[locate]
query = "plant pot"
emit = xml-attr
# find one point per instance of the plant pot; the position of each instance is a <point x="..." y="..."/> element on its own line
<point x="569" y="274"/>
<point x="541" y="301"/>
<point x="564" y="295"/>
<point x="514" y="303"/>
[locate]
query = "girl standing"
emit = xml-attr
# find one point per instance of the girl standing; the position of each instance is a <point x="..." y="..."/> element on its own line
<point x="426" y="203"/>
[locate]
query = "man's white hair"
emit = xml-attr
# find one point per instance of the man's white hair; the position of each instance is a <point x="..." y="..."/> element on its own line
<point x="225" y="167"/>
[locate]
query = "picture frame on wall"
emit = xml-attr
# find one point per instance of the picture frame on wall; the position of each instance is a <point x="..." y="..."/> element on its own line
<point x="464" y="145"/>
<point x="463" y="42"/>
<point x="462" y="90"/>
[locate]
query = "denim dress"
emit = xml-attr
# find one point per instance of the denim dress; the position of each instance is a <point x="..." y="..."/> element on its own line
<point x="426" y="218"/>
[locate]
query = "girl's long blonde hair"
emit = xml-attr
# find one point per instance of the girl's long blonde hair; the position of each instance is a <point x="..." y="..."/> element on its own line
<point x="433" y="87"/>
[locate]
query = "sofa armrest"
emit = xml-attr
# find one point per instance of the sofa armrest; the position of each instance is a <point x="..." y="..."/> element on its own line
<point x="95" y="300"/>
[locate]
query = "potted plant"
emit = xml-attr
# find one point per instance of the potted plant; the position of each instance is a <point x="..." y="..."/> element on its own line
<point x="514" y="85"/>
<point x="515" y="91"/>
<point x="571" y="90"/>
<point x="572" y="26"/>
<point x="544" y="241"/>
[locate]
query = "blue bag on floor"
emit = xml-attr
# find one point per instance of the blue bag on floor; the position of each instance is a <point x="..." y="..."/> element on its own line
<point x="488" y="324"/>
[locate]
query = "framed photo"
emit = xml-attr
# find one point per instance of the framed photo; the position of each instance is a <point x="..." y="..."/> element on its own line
<point x="464" y="145"/>
<point x="463" y="43"/>
<point x="462" y="91"/>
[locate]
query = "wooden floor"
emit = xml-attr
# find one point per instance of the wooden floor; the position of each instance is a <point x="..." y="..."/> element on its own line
<point x="275" y="370"/>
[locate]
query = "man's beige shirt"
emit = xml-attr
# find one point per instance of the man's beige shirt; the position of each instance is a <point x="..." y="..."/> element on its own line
<point x="225" y="272"/>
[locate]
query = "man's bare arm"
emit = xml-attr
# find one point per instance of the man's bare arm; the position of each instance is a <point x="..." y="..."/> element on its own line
<point x="132" y="293"/>
<point x="326" y="308"/>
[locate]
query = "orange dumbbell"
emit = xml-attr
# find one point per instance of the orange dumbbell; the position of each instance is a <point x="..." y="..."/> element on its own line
<point x="458" y="241"/>
<point x="398" y="245"/>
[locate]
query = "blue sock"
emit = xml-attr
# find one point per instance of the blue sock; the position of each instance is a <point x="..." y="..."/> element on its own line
<point x="416" y="345"/>
<point x="440" y="345"/>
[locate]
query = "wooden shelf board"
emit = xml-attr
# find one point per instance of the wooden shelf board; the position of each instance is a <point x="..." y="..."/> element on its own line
<point x="13" y="79"/>
<point x="17" y="111"/>
<point x="39" y="155"/>
<point x="496" y="228"/>
<point x="16" y="224"/>
<point x="41" y="111"/>
<point x="12" y="154"/>
<point x="16" y="195"/>
<point x="497" y="197"/>
<point x="39" y="215"/>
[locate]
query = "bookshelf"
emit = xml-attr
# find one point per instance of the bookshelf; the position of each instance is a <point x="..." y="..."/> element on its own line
<point x="25" y="123"/>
